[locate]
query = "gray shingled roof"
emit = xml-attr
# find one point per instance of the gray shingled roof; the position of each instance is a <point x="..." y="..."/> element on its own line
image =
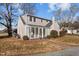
<point x="39" y="17"/>
<point x="48" y="25"/>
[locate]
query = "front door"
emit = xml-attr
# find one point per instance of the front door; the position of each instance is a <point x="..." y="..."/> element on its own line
<point x="32" y="32"/>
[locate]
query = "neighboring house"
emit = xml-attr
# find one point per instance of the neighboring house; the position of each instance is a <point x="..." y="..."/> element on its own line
<point x="2" y="28"/>
<point x="74" y="31"/>
<point x="35" y="27"/>
<point x="71" y="30"/>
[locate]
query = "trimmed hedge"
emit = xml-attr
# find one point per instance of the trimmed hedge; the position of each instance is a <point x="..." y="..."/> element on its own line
<point x="25" y="38"/>
<point x="53" y="34"/>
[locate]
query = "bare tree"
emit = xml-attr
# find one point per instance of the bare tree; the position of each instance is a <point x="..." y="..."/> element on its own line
<point x="58" y="13"/>
<point x="10" y="14"/>
<point x="7" y="16"/>
<point x="73" y="10"/>
<point x="68" y="16"/>
<point x="28" y="8"/>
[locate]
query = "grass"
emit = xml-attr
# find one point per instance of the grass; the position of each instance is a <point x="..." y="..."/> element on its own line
<point x="69" y="39"/>
<point x="3" y="35"/>
<point x="13" y="46"/>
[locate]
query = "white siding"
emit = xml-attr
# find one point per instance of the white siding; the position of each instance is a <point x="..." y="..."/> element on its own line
<point x="72" y="31"/>
<point x="55" y="26"/>
<point x="24" y="29"/>
<point x="21" y="28"/>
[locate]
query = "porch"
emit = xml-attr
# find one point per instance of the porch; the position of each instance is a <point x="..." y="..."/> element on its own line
<point x="37" y="32"/>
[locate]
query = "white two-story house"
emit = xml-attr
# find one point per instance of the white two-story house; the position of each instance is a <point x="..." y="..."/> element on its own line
<point x="35" y="27"/>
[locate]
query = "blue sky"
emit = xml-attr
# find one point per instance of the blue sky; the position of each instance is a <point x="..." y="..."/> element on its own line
<point x="47" y="10"/>
<point x="42" y="11"/>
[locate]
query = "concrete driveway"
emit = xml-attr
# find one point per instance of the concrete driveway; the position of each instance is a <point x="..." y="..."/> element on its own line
<point x="67" y="52"/>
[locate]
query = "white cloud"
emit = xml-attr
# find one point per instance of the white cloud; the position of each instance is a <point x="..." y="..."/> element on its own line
<point x="55" y="6"/>
<point x="20" y="11"/>
<point x="52" y="7"/>
<point x="65" y="6"/>
<point x="16" y="5"/>
<point x="41" y="3"/>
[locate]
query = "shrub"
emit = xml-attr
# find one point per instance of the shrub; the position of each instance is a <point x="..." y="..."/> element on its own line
<point x="15" y="30"/>
<point x="53" y="34"/>
<point x="63" y="32"/>
<point x="17" y="36"/>
<point x="48" y="37"/>
<point x="25" y="38"/>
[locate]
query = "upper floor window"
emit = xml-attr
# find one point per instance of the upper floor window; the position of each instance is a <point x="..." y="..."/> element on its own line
<point x="34" y="19"/>
<point x="46" y="20"/>
<point x="30" y="18"/>
<point x="41" y="20"/>
<point x="77" y="31"/>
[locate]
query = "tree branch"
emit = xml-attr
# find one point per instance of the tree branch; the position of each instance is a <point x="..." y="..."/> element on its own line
<point x="3" y="24"/>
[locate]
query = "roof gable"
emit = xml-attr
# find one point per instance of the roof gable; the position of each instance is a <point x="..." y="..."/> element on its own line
<point x="47" y="24"/>
<point x="22" y="20"/>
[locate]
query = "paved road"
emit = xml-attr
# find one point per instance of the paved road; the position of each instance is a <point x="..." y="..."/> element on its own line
<point x="67" y="52"/>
